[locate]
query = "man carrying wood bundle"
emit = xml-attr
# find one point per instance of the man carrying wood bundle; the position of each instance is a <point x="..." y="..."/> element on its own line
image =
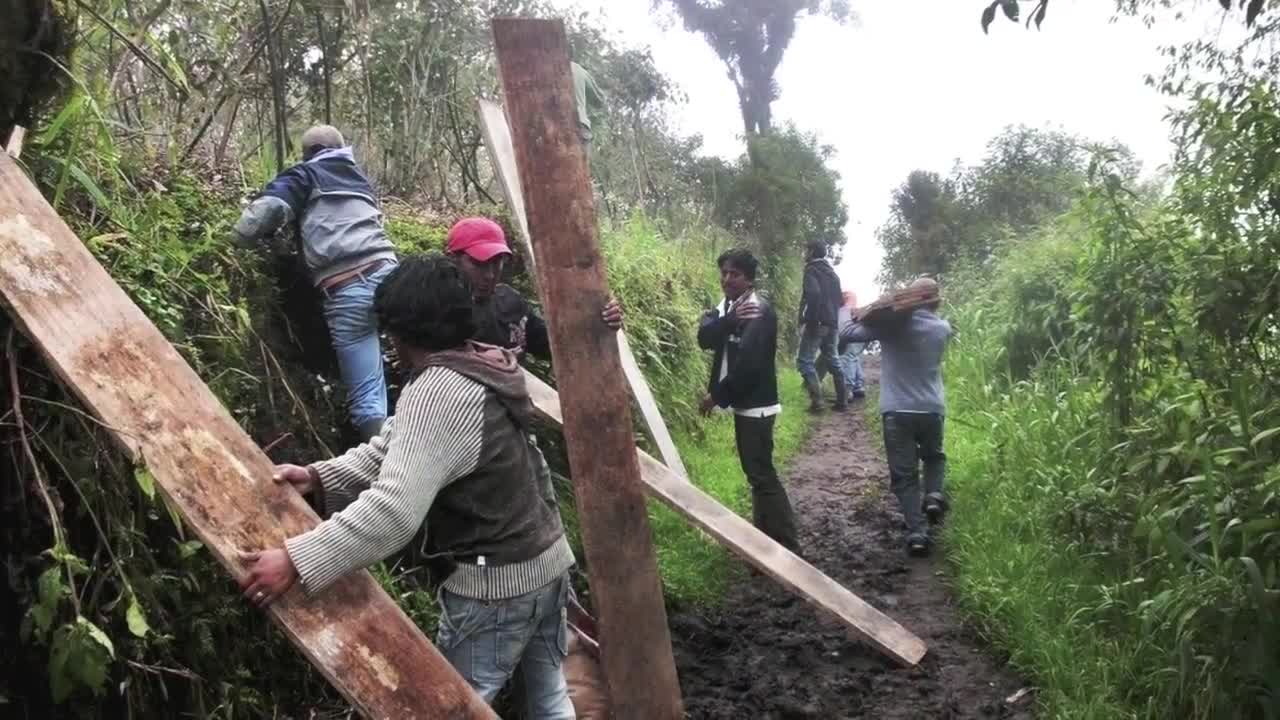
<point x="819" y="308"/>
<point x="743" y="332"/>
<point x="347" y="254"/>
<point x="454" y="458"/>
<point x="912" y="403"/>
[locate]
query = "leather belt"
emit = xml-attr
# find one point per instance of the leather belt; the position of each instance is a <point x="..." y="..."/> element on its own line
<point x="341" y="280"/>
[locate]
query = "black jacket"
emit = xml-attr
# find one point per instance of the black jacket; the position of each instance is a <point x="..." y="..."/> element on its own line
<point x="507" y="320"/>
<point x="751" y="346"/>
<point x="820" y="303"/>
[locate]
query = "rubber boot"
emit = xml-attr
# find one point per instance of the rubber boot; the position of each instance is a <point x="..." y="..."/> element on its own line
<point x="842" y="393"/>
<point x="815" y="395"/>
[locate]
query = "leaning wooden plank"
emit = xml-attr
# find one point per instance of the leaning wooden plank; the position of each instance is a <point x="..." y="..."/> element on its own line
<point x="497" y="138"/>
<point x="111" y="356"/>
<point x="867" y="624"/>
<point x="14" y="146"/>
<point x="635" y="643"/>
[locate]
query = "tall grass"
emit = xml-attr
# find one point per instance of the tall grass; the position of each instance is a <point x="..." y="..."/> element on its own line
<point x="1114" y="470"/>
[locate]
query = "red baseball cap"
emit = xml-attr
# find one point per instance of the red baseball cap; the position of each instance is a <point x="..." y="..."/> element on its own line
<point x="480" y="238"/>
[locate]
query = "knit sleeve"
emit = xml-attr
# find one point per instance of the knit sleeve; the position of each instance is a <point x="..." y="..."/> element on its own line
<point x="356" y="469"/>
<point x="437" y="439"/>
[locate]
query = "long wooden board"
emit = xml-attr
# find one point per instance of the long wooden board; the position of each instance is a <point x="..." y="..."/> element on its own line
<point x="635" y="642"/>
<point x="864" y="621"/>
<point x="497" y="138"/>
<point x="116" y="361"/>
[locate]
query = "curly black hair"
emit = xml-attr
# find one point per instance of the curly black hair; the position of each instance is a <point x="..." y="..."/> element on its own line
<point x="815" y="249"/>
<point x="426" y="303"/>
<point x="739" y="259"/>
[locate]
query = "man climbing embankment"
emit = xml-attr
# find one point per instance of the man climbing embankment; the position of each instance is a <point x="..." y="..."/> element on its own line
<point x="743" y="333"/>
<point x="455" y="460"/>
<point x="819" y="318"/>
<point x="913" y="407"/>
<point x="347" y="255"/>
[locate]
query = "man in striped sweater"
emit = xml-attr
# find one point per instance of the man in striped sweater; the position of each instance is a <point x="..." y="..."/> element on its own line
<point x="454" y="458"/>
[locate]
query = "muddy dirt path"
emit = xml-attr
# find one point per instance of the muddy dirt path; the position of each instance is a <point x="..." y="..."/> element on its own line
<point x="768" y="655"/>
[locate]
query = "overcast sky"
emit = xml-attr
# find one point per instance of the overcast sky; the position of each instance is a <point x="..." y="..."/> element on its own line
<point x="915" y="84"/>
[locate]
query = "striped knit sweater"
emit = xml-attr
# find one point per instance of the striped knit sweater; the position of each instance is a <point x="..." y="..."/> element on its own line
<point x="434" y="439"/>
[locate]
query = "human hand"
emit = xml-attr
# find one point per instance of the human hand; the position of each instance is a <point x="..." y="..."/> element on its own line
<point x="707" y="405"/>
<point x="303" y="479"/>
<point x="612" y="314"/>
<point x="748" y="310"/>
<point x="271" y="574"/>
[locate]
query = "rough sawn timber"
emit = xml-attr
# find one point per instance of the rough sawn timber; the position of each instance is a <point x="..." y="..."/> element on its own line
<point x="116" y="361"/>
<point x="866" y="623"/>
<point x="497" y="138"/>
<point x="635" y="642"/>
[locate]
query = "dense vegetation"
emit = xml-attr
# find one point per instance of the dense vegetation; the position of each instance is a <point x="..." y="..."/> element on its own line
<point x="163" y="119"/>
<point x="1114" y="416"/>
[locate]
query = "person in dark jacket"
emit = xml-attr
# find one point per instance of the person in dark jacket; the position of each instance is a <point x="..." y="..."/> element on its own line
<point x="454" y="459"/>
<point x="347" y="255"/>
<point x="743" y="333"/>
<point x="819" y="320"/>
<point x="503" y="316"/>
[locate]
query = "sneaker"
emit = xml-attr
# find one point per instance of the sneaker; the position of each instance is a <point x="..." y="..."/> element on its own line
<point x="917" y="545"/>
<point x="935" y="508"/>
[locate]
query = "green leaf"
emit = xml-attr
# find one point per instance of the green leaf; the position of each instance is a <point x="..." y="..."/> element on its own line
<point x="96" y="633"/>
<point x="1255" y="7"/>
<point x="1263" y="436"/>
<point x="136" y="619"/>
<point x="54" y="128"/>
<point x="1010" y="8"/>
<point x="146" y="481"/>
<point x="89" y="185"/>
<point x="189" y="548"/>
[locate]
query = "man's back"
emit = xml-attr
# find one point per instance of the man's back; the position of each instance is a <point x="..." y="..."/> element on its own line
<point x="911" y="365"/>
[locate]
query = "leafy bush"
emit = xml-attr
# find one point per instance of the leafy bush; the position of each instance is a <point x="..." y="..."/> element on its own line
<point x="1117" y="509"/>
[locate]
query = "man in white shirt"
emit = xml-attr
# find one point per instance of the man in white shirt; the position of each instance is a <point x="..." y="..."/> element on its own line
<point x="743" y="332"/>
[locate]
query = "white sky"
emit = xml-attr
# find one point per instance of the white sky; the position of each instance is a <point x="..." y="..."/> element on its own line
<point x="914" y="84"/>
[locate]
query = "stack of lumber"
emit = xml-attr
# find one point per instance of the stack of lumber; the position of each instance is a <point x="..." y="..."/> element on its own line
<point x="895" y="302"/>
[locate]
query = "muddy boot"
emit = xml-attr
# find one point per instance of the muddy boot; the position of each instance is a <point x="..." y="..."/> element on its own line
<point x="935" y="508"/>
<point x="842" y="394"/>
<point x="918" y="544"/>
<point x="815" y="395"/>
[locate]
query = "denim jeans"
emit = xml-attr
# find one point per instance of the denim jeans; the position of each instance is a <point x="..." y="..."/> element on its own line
<point x="354" y="330"/>
<point x="851" y="363"/>
<point x="812" y="344"/>
<point x="486" y="640"/>
<point x="909" y="440"/>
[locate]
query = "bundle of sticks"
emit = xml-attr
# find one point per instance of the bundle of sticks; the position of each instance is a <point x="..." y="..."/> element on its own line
<point x="893" y="303"/>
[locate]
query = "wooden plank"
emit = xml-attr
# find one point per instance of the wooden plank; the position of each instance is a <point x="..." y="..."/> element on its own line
<point x="896" y="301"/>
<point x="130" y="377"/>
<point x="635" y="644"/>
<point x="14" y="146"/>
<point x="866" y="623"/>
<point x="649" y="409"/>
<point x="497" y="138"/>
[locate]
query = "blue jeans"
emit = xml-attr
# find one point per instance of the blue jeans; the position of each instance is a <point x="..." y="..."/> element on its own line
<point x="486" y="640"/>
<point x="811" y="345"/>
<point x="354" y="331"/>
<point x="851" y="362"/>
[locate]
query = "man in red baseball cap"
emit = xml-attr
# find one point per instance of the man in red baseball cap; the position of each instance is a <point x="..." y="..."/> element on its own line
<point x="503" y="317"/>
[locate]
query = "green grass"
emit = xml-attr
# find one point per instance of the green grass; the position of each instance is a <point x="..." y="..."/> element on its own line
<point x="1013" y="454"/>
<point x="696" y="570"/>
